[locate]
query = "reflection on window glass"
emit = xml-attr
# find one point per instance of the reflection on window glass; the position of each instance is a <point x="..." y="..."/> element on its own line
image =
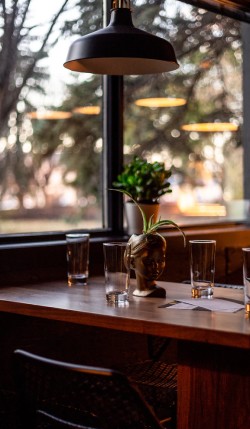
<point x="206" y="165"/>
<point x="51" y="119"/>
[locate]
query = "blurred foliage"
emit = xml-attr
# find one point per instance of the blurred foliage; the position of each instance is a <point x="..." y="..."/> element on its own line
<point x="209" y="50"/>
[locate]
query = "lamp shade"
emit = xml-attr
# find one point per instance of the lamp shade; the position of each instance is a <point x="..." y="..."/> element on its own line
<point x="121" y="49"/>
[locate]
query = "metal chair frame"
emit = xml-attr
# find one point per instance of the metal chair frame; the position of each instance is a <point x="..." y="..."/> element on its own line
<point x="59" y="395"/>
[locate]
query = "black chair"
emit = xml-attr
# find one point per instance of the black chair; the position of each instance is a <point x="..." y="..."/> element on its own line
<point x="59" y="395"/>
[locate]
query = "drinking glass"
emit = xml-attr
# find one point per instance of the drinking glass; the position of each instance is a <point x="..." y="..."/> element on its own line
<point x="202" y="267"/>
<point x="117" y="271"/>
<point x="77" y="258"/>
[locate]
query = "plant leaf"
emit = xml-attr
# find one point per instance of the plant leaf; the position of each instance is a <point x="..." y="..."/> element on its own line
<point x="160" y="223"/>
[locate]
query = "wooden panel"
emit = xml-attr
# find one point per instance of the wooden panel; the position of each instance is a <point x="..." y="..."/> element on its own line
<point x="227" y="270"/>
<point x="235" y="4"/>
<point x="236" y="9"/>
<point x="29" y="263"/>
<point x="234" y="264"/>
<point x="211" y="379"/>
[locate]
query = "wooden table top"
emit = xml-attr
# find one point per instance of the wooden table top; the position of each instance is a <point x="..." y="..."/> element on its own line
<point x="87" y="305"/>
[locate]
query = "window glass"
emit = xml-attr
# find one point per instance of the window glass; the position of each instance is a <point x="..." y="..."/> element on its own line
<point x="207" y="177"/>
<point x="51" y="168"/>
<point x="51" y="119"/>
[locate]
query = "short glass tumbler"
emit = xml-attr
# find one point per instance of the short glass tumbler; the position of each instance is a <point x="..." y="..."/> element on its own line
<point x="77" y="258"/>
<point x="246" y="277"/>
<point x="117" y="271"/>
<point x="202" y="267"/>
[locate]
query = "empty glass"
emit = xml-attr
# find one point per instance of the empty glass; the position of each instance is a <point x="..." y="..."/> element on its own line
<point x="117" y="271"/>
<point x="202" y="267"/>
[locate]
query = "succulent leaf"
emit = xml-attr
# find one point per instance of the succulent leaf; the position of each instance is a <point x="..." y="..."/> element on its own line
<point x="143" y="180"/>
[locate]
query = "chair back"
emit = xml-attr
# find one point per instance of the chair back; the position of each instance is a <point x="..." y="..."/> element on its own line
<point x="59" y="395"/>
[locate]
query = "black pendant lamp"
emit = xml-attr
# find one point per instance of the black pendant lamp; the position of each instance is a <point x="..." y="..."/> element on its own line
<point x="121" y="49"/>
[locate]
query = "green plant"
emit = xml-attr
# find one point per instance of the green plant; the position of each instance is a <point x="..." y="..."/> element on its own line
<point x="150" y="227"/>
<point x="144" y="181"/>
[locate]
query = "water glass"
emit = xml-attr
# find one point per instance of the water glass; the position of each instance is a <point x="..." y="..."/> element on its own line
<point x="246" y="277"/>
<point x="77" y="258"/>
<point x="202" y="267"/>
<point x="117" y="271"/>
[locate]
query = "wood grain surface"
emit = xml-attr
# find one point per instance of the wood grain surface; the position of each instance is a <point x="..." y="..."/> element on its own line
<point x="87" y="306"/>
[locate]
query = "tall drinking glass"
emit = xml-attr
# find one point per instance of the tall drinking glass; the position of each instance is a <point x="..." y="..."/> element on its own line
<point x="117" y="271"/>
<point x="77" y="258"/>
<point x="202" y="267"/>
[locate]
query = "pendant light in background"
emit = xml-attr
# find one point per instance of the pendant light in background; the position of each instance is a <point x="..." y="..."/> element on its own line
<point x="160" y="102"/>
<point x="58" y="114"/>
<point x="87" y="110"/>
<point x="49" y="115"/>
<point x="121" y="49"/>
<point x="210" y="127"/>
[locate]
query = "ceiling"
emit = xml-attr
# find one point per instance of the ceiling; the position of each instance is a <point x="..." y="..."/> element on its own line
<point x="238" y="9"/>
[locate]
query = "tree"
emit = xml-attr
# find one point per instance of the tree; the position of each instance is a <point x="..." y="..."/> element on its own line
<point x="18" y="62"/>
<point x="208" y="48"/>
<point x="20" y="73"/>
<point x="74" y="139"/>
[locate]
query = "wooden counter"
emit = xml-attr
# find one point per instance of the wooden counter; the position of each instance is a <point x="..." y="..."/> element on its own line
<point x="87" y="306"/>
<point x="213" y="348"/>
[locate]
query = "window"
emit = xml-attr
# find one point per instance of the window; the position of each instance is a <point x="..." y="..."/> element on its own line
<point x="207" y="174"/>
<point x="51" y="138"/>
<point x="51" y="170"/>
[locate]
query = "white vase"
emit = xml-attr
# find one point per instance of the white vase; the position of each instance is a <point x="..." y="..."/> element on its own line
<point x="134" y="217"/>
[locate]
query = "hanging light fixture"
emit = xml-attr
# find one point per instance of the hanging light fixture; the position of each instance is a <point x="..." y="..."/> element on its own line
<point x="121" y="49"/>
<point x="160" y="102"/>
<point x="210" y="127"/>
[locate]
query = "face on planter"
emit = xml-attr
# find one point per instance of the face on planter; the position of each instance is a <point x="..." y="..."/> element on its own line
<point x="150" y="263"/>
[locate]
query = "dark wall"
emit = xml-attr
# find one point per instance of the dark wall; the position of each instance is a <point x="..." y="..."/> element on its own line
<point x="32" y="263"/>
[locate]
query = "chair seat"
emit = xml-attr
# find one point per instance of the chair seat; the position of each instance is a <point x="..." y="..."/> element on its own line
<point x="157" y="381"/>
